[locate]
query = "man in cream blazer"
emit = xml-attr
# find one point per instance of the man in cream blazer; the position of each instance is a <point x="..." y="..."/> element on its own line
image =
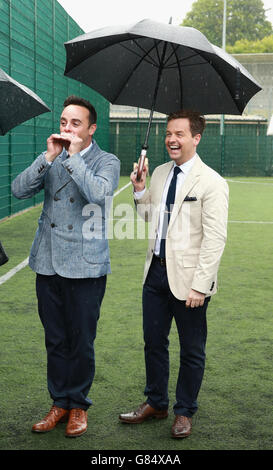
<point x="180" y="274"/>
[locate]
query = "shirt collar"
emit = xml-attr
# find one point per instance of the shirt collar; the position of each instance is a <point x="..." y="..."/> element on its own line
<point x="185" y="167"/>
<point x="82" y="152"/>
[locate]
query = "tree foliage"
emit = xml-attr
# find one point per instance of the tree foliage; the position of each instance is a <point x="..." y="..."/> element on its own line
<point x="251" y="47"/>
<point x="245" y="20"/>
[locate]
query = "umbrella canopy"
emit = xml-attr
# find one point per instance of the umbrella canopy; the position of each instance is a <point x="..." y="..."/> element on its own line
<point x="3" y="256"/>
<point x="18" y="103"/>
<point x="161" y="67"/>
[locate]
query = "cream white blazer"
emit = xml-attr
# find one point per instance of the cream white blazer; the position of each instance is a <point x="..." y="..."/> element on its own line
<point x="197" y="229"/>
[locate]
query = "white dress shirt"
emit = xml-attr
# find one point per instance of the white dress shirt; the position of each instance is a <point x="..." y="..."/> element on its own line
<point x="82" y="152"/>
<point x="185" y="168"/>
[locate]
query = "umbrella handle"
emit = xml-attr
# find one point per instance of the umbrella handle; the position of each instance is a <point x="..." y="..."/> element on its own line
<point x="141" y="164"/>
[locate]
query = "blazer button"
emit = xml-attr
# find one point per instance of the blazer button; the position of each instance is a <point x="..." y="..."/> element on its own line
<point x="70" y="227"/>
<point x="53" y="225"/>
<point x="56" y="198"/>
<point x="72" y="199"/>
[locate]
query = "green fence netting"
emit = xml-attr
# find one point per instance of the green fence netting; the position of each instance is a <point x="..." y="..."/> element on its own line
<point x="32" y="36"/>
<point x="243" y="150"/>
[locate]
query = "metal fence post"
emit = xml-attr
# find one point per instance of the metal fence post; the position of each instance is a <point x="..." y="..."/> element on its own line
<point x="9" y="141"/>
<point x="35" y="82"/>
<point x="222" y="137"/>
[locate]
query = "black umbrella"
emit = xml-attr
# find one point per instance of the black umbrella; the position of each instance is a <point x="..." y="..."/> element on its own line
<point x="160" y="67"/>
<point x="3" y="256"/>
<point x="18" y="103"/>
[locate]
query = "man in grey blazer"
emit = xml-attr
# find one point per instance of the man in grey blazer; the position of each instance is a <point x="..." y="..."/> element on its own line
<point x="70" y="256"/>
<point x="187" y="207"/>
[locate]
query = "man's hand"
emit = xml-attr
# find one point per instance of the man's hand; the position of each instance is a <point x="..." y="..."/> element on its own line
<point x="139" y="185"/>
<point x="56" y="142"/>
<point x="195" y="299"/>
<point x="73" y="143"/>
<point x="54" y="147"/>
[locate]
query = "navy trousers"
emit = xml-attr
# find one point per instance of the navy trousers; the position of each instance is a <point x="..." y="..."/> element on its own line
<point x="69" y="310"/>
<point x="159" y="308"/>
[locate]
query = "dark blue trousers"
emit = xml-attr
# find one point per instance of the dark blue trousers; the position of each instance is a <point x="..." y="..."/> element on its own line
<point x="69" y="310"/>
<point x="159" y="308"/>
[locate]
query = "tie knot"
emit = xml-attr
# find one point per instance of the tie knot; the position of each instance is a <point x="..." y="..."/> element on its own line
<point x="176" y="171"/>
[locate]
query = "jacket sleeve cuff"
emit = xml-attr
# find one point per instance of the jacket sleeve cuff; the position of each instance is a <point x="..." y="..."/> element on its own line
<point x="206" y="287"/>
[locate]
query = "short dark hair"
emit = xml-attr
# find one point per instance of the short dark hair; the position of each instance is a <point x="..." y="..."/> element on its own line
<point x="197" y="121"/>
<point x="82" y="102"/>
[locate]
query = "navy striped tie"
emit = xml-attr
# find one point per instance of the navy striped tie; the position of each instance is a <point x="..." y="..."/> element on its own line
<point x="167" y="214"/>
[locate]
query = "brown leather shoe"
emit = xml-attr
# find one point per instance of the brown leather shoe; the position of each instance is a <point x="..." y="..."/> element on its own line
<point x="182" y="426"/>
<point x="143" y="412"/>
<point x="56" y="415"/>
<point x="77" y="423"/>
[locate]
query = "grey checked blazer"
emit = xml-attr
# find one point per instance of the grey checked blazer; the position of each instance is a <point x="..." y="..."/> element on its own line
<point x="75" y="191"/>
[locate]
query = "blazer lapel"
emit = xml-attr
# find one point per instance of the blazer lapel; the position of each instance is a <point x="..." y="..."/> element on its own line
<point x="161" y="181"/>
<point x="63" y="174"/>
<point x="191" y="180"/>
<point x="92" y="153"/>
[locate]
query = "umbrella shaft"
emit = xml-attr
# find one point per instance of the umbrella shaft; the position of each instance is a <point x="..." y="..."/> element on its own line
<point x="161" y="65"/>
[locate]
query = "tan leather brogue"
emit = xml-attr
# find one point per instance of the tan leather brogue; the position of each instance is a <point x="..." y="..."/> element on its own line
<point x="182" y="426"/>
<point x="77" y="423"/>
<point x="143" y="412"/>
<point x="56" y="415"/>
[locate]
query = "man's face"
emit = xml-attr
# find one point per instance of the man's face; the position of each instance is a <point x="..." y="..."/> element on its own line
<point x="180" y="144"/>
<point x="75" y="120"/>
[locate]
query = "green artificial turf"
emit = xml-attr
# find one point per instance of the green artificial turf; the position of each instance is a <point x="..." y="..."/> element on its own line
<point x="235" y="401"/>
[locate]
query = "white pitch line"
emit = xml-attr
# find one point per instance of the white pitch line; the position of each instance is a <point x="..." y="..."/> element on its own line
<point x="13" y="271"/>
<point x="250" y="222"/>
<point x="249" y="182"/>
<point x="24" y="263"/>
<point x="121" y="189"/>
<point x="130" y="219"/>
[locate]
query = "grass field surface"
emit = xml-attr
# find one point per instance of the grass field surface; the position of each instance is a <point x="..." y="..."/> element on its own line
<point x="235" y="401"/>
